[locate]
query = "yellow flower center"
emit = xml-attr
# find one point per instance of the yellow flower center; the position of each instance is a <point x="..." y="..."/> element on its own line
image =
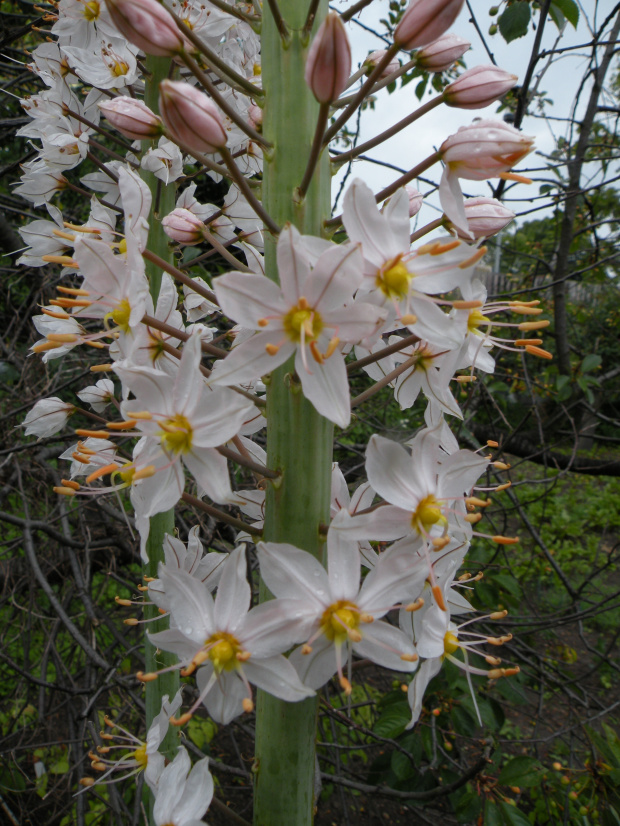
<point x="340" y="618"/>
<point x="176" y="434"/>
<point x="394" y="281"/>
<point x="476" y="319"/>
<point x="120" y="316"/>
<point x="223" y="650"/>
<point x="122" y="246"/>
<point x="127" y="473"/>
<point x="450" y="642"/>
<point x="140" y="756"/>
<point x="427" y="514"/>
<point x="302" y="317"/>
<point x="92" y="10"/>
<point x="425" y="359"/>
<point x="119" y="68"/>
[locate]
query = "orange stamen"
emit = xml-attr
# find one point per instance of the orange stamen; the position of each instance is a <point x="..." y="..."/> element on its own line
<point x="102" y="471"/>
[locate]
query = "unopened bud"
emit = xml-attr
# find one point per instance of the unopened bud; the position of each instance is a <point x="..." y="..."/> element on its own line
<point x="328" y="66"/>
<point x="425" y="21"/>
<point x="132" y="118"/>
<point x="255" y="116"/>
<point x="148" y="25"/>
<point x="442" y="53"/>
<point x="374" y="58"/>
<point x="183" y="226"/>
<point x="478" y="87"/>
<point x="191" y="116"/>
<point x="415" y="200"/>
<point x="484" y="149"/>
<point x="485" y="217"/>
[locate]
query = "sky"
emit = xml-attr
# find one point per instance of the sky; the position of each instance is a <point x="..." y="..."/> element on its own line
<point x="561" y="78"/>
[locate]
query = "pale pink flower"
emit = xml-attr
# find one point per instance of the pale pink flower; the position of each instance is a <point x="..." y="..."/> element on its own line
<point x="132" y="118"/>
<point x="146" y="24"/>
<point x="485" y="149"/>
<point x="478" y="87"/>
<point x="191" y="116"/>
<point x="183" y="227"/>
<point x="374" y="58"/>
<point x="442" y="53"/>
<point x="328" y="64"/>
<point x="486" y="217"/>
<point x="424" y="21"/>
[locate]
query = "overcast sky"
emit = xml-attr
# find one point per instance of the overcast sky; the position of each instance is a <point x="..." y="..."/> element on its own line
<point x="560" y="82"/>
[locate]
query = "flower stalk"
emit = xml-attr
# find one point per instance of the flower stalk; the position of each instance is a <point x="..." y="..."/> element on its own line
<point x="297" y="436"/>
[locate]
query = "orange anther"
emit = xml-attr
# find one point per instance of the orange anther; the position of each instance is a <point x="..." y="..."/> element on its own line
<point x="102" y="471"/>
<point x="538" y="351"/>
<point x="69" y="483"/>
<point x="128" y="424"/>
<point x="437" y="593"/>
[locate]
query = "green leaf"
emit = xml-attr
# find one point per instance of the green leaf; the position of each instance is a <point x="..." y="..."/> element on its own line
<point x="492" y="816"/>
<point x="591" y="362"/>
<point x="562" y="381"/>
<point x="514" y="22"/>
<point x="468" y="806"/>
<point x="401" y="765"/>
<point x="462" y="720"/>
<point x="512" y="816"/>
<point x="393" y="721"/>
<point x="520" y="771"/>
<point x="568" y="9"/>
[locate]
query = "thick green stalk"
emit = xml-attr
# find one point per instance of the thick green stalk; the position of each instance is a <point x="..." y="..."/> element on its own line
<point x="299" y="439"/>
<point x="162" y="523"/>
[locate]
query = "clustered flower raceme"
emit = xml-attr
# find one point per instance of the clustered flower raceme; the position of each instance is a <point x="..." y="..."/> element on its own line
<point x="414" y="319"/>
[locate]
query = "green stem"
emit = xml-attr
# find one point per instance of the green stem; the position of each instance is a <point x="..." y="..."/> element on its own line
<point x="299" y="439"/>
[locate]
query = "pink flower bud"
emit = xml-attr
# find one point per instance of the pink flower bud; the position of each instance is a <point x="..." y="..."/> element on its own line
<point x="183" y="226"/>
<point x="132" y="118"/>
<point x="425" y="21"/>
<point x="191" y="117"/>
<point x="328" y="66"/>
<point x="255" y="116"/>
<point x="373" y="59"/>
<point x="484" y="149"/>
<point x="415" y="200"/>
<point x="147" y="25"/>
<point x="442" y="53"/>
<point x="478" y="87"/>
<point x="485" y="217"/>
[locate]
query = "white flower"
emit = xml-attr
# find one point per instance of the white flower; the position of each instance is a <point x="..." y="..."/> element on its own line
<point x="333" y="613"/>
<point x="98" y="395"/>
<point x="307" y="316"/>
<point x="184" y="421"/>
<point x="233" y="645"/>
<point x="47" y="417"/>
<point x="206" y="568"/>
<point x="183" y="796"/>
